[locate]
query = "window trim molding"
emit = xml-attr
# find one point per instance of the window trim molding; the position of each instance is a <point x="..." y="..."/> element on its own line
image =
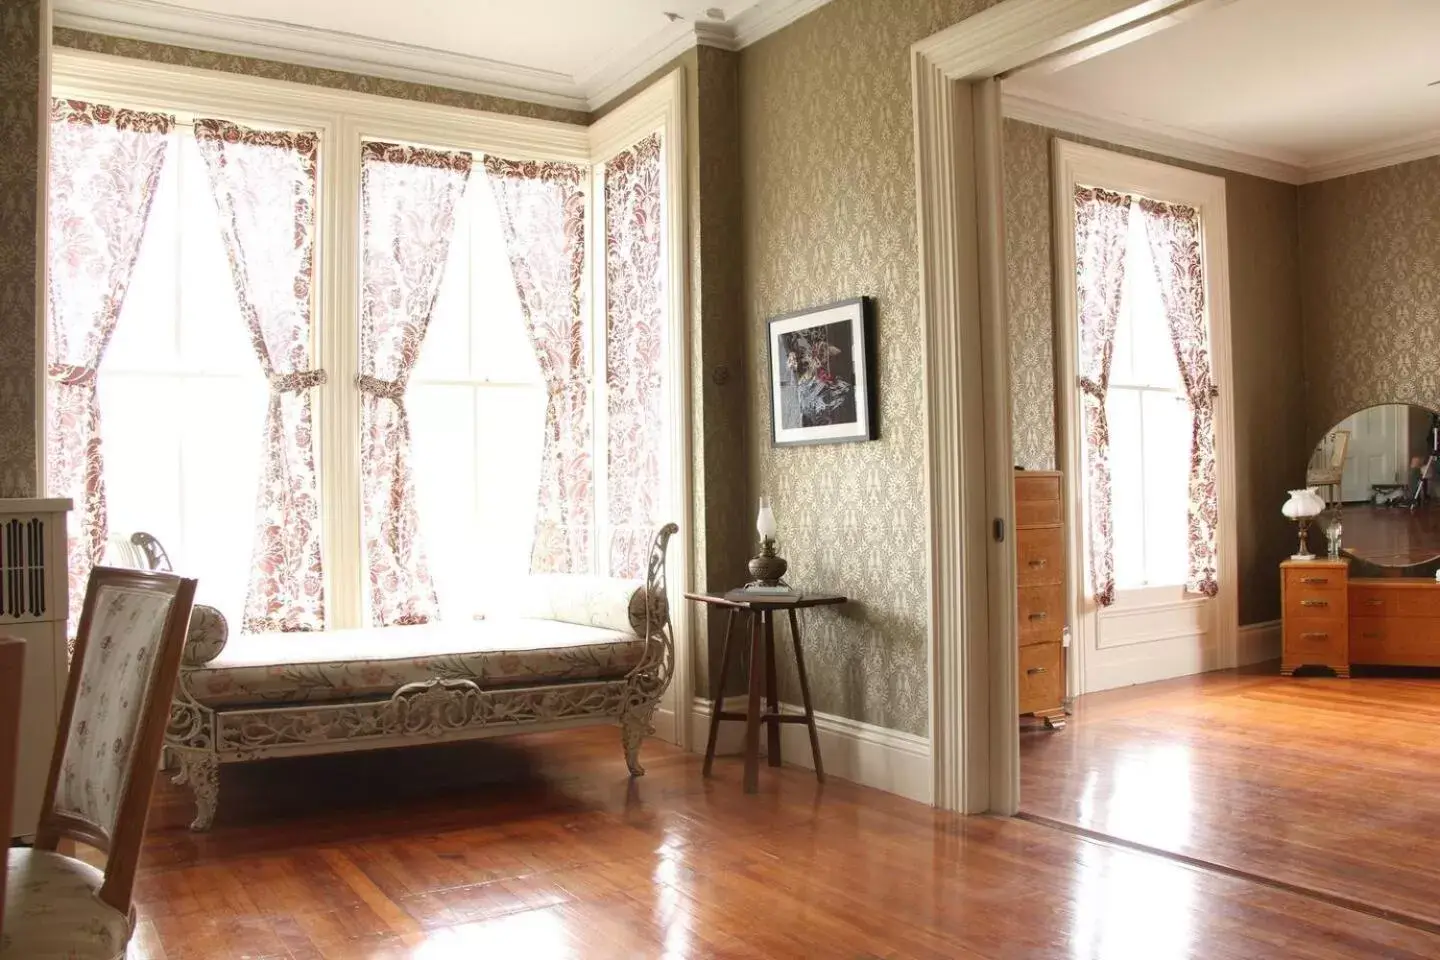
<point x="343" y="118"/>
<point x="1075" y="163"/>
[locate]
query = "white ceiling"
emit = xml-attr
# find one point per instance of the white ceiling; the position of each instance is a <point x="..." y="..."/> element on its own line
<point x="569" y="53"/>
<point x="1312" y="88"/>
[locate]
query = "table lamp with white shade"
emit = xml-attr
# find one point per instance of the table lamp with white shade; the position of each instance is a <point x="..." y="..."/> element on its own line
<point x="769" y="567"/>
<point x="1303" y="506"/>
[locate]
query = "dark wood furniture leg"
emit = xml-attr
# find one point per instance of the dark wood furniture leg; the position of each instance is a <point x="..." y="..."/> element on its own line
<point x="772" y="693"/>
<point x="752" y="714"/>
<point x="717" y="689"/>
<point x="805" y="697"/>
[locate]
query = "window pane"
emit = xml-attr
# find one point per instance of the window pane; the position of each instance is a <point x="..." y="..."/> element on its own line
<point x="1127" y="462"/>
<point x="1167" y="481"/>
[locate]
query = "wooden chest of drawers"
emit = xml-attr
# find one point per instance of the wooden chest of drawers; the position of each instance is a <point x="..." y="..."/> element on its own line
<point x="1040" y="593"/>
<point x="1314" y="604"/>
<point x="1334" y="621"/>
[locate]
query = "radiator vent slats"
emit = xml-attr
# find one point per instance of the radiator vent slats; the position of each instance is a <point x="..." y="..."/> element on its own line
<point x="22" y="569"/>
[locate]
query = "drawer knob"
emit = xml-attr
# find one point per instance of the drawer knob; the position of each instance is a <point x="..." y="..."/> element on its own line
<point x="1314" y="603"/>
<point x="1368" y="635"/>
<point x="1039" y="615"/>
<point x="1320" y="580"/>
<point x="1314" y="636"/>
<point x="1037" y="563"/>
<point x="1374" y="602"/>
<point x="1034" y="670"/>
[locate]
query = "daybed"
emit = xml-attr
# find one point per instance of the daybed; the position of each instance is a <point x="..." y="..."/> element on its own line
<point x="577" y="650"/>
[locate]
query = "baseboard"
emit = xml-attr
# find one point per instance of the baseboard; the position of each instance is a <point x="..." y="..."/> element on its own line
<point x="863" y="753"/>
<point x="1257" y="642"/>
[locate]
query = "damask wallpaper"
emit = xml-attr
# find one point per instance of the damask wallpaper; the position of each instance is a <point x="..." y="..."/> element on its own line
<point x="1370" y="252"/>
<point x="828" y="166"/>
<point x="1265" y="328"/>
<point x="21" y="79"/>
<point x="315" y="76"/>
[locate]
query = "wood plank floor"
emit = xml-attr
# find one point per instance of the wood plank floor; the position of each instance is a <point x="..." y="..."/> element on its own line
<point x="1330" y="785"/>
<point x="540" y="846"/>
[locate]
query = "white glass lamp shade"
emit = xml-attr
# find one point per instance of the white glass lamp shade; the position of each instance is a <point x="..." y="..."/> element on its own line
<point x="765" y="521"/>
<point x="1304" y="503"/>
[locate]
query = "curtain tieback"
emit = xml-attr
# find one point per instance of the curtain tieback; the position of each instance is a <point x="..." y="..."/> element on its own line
<point x="69" y="375"/>
<point x="1092" y="387"/>
<point x="388" y="389"/>
<point x="297" y="381"/>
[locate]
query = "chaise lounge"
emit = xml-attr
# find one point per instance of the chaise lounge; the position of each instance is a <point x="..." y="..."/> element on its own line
<point x="577" y="650"/>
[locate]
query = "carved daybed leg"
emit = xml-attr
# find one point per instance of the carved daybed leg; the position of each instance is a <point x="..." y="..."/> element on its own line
<point x="635" y="726"/>
<point x="201" y="770"/>
<point x="647" y="682"/>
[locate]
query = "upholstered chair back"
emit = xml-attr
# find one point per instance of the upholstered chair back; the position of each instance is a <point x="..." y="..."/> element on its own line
<point x="127" y="655"/>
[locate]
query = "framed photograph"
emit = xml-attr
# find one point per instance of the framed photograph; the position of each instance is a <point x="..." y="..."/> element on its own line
<point x="822" y="383"/>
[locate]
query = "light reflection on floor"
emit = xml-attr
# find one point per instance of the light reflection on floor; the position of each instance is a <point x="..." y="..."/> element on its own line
<point x="1150" y="799"/>
<point x="1130" y="905"/>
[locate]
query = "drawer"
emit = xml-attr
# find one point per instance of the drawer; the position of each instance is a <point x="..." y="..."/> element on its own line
<point x="1030" y="487"/>
<point x="1316" y="641"/>
<point x="1400" y="643"/>
<point x="1306" y="576"/>
<point x="1373" y="601"/>
<point x="1042" y="680"/>
<point x="1311" y="601"/>
<point x="1037" y="513"/>
<point x="1042" y="612"/>
<point x="1039" y="556"/>
<point x="1418" y="602"/>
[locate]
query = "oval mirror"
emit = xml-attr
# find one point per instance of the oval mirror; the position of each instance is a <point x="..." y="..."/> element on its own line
<point x="1378" y="471"/>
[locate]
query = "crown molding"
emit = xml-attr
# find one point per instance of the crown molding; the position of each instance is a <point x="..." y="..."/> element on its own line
<point x="1157" y="138"/>
<point x="1384" y="154"/>
<point x="159" y="22"/>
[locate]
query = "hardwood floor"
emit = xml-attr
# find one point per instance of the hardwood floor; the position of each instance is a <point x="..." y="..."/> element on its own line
<point x="1324" y="784"/>
<point x="540" y="846"/>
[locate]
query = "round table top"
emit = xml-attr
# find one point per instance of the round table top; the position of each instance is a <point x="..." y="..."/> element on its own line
<point x="754" y="603"/>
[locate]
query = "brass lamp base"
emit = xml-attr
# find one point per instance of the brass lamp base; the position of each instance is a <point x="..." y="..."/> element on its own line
<point x="768" y="568"/>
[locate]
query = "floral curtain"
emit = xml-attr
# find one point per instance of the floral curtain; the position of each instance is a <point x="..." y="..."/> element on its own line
<point x="1173" y="231"/>
<point x="1102" y="219"/>
<point x="408" y="197"/>
<point x="264" y="182"/>
<point x="542" y="216"/>
<point x="634" y="294"/>
<point x="104" y="169"/>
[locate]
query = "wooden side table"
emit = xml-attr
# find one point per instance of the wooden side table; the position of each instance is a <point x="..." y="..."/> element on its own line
<point x="762" y="675"/>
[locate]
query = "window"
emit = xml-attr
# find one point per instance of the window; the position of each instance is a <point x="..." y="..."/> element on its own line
<point x="318" y="314"/>
<point x="1150" y="431"/>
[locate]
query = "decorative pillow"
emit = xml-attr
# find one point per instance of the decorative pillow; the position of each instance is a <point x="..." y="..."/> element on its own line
<point x="207" y="636"/>
<point x="609" y="602"/>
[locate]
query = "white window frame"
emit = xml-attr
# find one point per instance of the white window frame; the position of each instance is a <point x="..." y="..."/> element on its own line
<point x="343" y="120"/>
<point x="1161" y="655"/>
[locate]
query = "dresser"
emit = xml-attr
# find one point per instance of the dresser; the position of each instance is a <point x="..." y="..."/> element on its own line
<point x="1040" y="594"/>
<point x="1334" y="620"/>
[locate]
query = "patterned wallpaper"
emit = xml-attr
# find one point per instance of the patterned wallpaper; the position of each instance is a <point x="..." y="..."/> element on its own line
<point x="1370" y="250"/>
<point x="1271" y="448"/>
<point x="828" y="165"/>
<point x="315" y="76"/>
<point x="21" y="38"/>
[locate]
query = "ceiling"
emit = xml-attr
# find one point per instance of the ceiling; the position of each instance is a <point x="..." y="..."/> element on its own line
<point x="1305" y="89"/>
<point x="576" y="54"/>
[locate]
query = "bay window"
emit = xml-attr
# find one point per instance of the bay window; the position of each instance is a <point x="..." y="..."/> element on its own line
<point x="370" y="362"/>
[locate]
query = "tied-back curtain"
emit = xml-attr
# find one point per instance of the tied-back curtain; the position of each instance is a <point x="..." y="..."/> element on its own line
<point x="408" y="197"/>
<point x="1102" y="222"/>
<point x="104" y="170"/>
<point x="542" y="216"/>
<point x="264" y="183"/>
<point x="634" y="292"/>
<point x="1173" y="231"/>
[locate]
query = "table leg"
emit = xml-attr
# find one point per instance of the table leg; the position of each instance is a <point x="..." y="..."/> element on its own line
<point x="752" y="715"/>
<point x="772" y="692"/>
<point x="805" y="697"/>
<point x="718" y="690"/>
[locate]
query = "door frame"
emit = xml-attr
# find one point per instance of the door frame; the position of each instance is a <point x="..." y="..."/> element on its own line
<point x="960" y="207"/>
<point x="1162" y="657"/>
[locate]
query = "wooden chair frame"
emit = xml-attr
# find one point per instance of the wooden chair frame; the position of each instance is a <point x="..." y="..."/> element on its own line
<point x="122" y="849"/>
<point x="12" y="671"/>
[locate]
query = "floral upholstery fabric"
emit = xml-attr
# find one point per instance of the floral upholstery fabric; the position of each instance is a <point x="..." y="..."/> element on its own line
<point x="607" y="602"/>
<point x="115" y="678"/>
<point x="52" y="911"/>
<point x="271" y="669"/>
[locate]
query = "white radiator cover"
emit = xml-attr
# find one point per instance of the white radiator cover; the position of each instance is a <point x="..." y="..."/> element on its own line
<point x="34" y="605"/>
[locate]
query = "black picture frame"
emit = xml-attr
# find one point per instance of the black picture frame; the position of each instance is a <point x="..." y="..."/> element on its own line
<point x="822" y="370"/>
